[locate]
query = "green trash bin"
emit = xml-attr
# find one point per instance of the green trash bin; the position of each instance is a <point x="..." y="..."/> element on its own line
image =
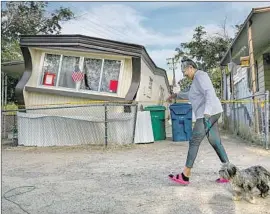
<point x="158" y="121"/>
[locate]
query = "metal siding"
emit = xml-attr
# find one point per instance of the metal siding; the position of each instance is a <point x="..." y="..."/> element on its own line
<point x="242" y="91"/>
<point x="46" y="130"/>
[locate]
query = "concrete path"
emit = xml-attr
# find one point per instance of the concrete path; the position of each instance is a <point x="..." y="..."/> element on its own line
<point x="133" y="179"/>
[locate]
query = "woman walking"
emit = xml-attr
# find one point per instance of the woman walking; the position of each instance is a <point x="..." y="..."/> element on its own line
<point x="207" y="109"/>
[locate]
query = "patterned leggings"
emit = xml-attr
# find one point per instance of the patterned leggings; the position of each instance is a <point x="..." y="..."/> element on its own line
<point x="209" y="128"/>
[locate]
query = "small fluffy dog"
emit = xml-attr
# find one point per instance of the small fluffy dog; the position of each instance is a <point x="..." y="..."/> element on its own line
<point x="244" y="181"/>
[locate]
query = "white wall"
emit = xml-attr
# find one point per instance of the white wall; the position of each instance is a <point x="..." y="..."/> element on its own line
<point x="38" y="100"/>
<point x="36" y="68"/>
<point x="143" y="96"/>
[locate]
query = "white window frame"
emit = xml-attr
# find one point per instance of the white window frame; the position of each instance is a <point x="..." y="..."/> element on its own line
<point x="59" y="70"/>
<point x="101" y="74"/>
<point x="40" y="76"/>
<point x="57" y="87"/>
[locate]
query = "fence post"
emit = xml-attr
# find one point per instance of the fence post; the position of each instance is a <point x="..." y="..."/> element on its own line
<point x="135" y="120"/>
<point x="106" y="124"/>
<point x="238" y="119"/>
<point x="266" y="107"/>
<point x="234" y="117"/>
<point x="2" y="89"/>
<point x="15" y="130"/>
<point x="5" y="124"/>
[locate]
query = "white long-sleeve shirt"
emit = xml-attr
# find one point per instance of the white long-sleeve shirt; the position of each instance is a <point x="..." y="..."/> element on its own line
<point x="202" y="96"/>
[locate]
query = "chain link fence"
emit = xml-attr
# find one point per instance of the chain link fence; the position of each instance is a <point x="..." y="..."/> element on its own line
<point x="8" y="125"/>
<point x="249" y="118"/>
<point x="98" y="124"/>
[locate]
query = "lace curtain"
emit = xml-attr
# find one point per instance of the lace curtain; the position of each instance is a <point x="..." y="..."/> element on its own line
<point x="51" y="65"/>
<point x="92" y="70"/>
<point x="91" y="67"/>
<point x="111" y="70"/>
<point x="69" y="64"/>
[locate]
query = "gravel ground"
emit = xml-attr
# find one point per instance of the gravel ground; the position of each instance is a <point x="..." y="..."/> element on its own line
<point x="131" y="179"/>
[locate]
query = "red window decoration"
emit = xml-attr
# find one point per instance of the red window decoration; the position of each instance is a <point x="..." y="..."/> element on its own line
<point x="49" y="78"/>
<point x="113" y="85"/>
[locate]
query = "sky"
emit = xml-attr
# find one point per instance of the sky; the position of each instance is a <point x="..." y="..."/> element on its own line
<point x="159" y="26"/>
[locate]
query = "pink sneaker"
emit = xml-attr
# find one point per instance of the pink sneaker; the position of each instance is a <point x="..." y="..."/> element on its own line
<point x="222" y="180"/>
<point x="178" y="179"/>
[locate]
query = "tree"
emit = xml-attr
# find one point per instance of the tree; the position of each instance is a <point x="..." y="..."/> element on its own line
<point x="207" y="51"/>
<point x="238" y="28"/>
<point x="28" y="18"/>
<point x="184" y="84"/>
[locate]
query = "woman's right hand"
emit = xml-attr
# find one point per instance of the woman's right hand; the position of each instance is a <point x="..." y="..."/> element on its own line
<point x="173" y="96"/>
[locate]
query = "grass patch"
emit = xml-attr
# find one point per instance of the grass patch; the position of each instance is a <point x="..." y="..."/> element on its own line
<point x="9" y="108"/>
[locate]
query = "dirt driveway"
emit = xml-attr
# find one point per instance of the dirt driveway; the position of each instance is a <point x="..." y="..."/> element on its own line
<point x="123" y="180"/>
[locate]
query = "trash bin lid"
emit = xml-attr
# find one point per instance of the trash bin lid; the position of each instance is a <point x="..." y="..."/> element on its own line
<point x="181" y="104"/>
<point x="180" y="108"/>
<point x="155" y="108"/>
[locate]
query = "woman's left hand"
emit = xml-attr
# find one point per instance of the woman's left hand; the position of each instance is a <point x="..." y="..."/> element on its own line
<point x="207" y="116"/>
<point x="207" y="120"/>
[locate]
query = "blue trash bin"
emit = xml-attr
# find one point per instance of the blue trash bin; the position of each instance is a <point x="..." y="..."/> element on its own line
<point x="181" y="116"/>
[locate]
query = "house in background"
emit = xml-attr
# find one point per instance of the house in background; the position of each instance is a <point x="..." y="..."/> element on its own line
<point x="257" y="24"/>
<point x="246" y="66"/>
<point x="75" y="69"/>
